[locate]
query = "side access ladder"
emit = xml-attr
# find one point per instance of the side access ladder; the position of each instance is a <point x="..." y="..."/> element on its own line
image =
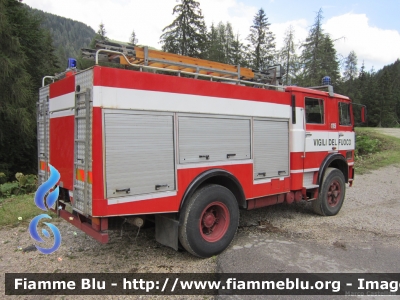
<point x="43" y="134"/>
<point x="81" y="151"/>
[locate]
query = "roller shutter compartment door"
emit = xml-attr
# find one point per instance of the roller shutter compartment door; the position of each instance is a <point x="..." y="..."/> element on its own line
<point x="139" y="154"/>
<point x="210" y="139"/>
<point x="271" y="149"/>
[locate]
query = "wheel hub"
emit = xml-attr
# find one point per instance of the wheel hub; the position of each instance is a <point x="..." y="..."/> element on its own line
<point x="334" y="193"/>
<point x="214" y="221"/>
<point x="209" y="219"/>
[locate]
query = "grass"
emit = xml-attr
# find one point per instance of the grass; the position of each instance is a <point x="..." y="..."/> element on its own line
<point x="376" y="150"/>
<point x="19" y="206"/>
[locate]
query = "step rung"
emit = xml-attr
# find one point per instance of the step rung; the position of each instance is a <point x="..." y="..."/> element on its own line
<point x="312" y="186"/>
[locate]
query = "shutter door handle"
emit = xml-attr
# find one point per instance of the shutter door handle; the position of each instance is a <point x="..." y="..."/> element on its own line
<point x="262" y="174"/>
<point x="159" y="186"/>
<point x="230" y="155"/>
<point x="128" y="190"/>
<point x="204" y="156"/>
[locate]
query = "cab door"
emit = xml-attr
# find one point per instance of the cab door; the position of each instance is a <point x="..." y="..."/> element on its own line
<point x="321" y="136"/>
<point x="345" y="121"/>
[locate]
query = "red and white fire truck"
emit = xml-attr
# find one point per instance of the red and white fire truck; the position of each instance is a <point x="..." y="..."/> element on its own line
<point x="186" y="143"/>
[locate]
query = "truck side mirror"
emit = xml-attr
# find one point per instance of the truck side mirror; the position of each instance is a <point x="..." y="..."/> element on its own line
<point x="363" y="114"/>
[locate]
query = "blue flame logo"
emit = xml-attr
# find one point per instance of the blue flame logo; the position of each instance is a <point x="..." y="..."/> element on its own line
<point x="35" y="235"/>
<point x="41" y="203"/>
<point x="45" y="187"/>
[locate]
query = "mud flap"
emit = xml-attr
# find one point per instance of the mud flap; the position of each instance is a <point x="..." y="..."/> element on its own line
<point x="167" y="230"/>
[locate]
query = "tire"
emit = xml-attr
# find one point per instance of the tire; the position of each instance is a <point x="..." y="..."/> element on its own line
<point x="209" y="220"/>
<point x="331" y="196"/>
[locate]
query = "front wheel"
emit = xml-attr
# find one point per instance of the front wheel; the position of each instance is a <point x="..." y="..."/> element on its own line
<point x="209" y="221"/>
<point x="331" y="196"/>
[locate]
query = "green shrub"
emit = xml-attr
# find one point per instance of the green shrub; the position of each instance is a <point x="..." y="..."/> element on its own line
<point x="9" y="188"/>
<point x="24" y="184"/>
<point x="366" y="145"/>
<point x="375" y="150"/>
<point x="3" y="178"/>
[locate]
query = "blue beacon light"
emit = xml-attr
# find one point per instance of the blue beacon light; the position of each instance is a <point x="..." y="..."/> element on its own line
<point x="71" y="63"/>
<point x="326" y="80"/>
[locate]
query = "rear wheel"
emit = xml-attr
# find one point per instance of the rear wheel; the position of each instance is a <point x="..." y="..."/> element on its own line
<point x="332" y="192"/>
<point x="209" y="220"/>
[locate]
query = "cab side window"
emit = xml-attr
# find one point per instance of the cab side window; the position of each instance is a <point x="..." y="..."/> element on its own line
<point x="314" y="111"/>
<point x="344" y="114"/>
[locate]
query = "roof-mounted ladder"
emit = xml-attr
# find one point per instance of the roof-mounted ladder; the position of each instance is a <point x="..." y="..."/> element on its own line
<point x="143" y="57"/>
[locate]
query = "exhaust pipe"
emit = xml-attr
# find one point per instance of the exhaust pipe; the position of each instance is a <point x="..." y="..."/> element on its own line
<point x="136" y="221"/>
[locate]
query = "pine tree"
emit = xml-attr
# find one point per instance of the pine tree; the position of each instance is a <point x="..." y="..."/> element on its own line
<point x="288" y="57"/>
<point x="361" y="75"/>
<point x="229" y="44"/>
<point x="379" y="91"/>
<point x="221" y="43"/>
<point x="62" y="57"/>
<point x="386" y="101"/>
<point x="133" y="39"/>
<point x="370" y="98"/>
<point x="311" y="52"/>
<point x="349" y="85"/>
<point x="247" y="56"/>
<point x="187" y="34"/>
<point x="26" y="55"/>
<point x="329" y="64"/>
<point x="101" y="35"/>
<point x="396" y="89"/>
<point x="102" y="31"/>
<point x="318" y="56"/>
<point x="350" y="68"/>
<point x="14" y="79"/>
<point x="238" y="54"/>
<point x="262" y="45"/>
<point x="213" y="44"/>
<point x="360" y="85"/>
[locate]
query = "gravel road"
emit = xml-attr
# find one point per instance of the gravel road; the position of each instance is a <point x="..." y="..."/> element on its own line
<point x="390" y="131"/>
<point x="369" y="214"/>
